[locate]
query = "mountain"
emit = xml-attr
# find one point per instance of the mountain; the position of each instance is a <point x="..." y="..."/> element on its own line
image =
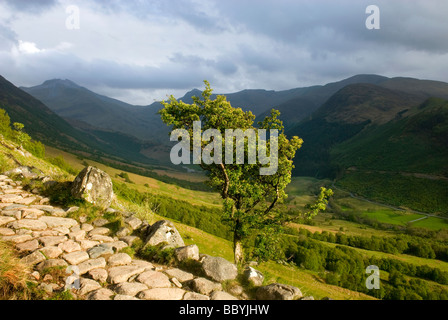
<point x="311" y="98"/>
<point x="387" y="142"/>
<point x="74" y="102"/>
<point x="45" y="125"/>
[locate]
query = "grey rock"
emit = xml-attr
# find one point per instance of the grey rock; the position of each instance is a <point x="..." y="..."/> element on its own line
<point x="180" y="275"/>
<point x="219" y="269"/>
<point x="98" y="274"/>
<point x="204" y="286"/>
<point x="123" y="273"/>
<point x="254" y="276"/>
<point x="278" y="291"/>
<point x="164" y="231"/>
<point x="100" y="294"/>
<point x="221" y="295"/>
<point x="94" y="186"/>
<point x="187" y="252"/>
<point x="162" y="294"/>
<point x="51" y="263"/>
<point x="130" y="288"/>
<point x="91" y="264"/>
<point x="119" y="259"/>
<point x="195" y="296"/>
<point x="100" y="250"/>
<point x="154" y="279"/>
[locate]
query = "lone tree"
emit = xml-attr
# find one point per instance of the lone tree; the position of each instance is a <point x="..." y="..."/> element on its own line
<point x="250" y="199"/>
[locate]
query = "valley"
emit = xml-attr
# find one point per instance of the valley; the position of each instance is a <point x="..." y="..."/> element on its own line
<point x="378" y="143"/>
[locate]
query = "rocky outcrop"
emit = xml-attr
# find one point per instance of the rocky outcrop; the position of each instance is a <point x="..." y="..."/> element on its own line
<point x="164" y="231"/>
<point x="93" y="186"/>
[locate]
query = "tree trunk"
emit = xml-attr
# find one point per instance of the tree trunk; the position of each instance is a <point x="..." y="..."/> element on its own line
<point x="238" y="252"/>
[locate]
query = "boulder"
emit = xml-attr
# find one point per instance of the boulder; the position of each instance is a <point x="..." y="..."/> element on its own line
<point x="254" y="276"/>
<point x="94" y="186"/>
<point x="164" y="231"/>
<point x="188" y="252"/>
<point x="278" y="291"/>
<point x="219" y="269"/>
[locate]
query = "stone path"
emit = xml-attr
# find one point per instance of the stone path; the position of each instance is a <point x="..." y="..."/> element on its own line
<point x="95" y="269"/>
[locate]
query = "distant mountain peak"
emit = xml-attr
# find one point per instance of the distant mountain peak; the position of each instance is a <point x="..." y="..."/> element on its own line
<point x="60" y="82"/>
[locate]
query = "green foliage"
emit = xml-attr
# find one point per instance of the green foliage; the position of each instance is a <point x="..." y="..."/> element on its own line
<point x="346" y="267"/>
<point x="19" y="136"/>
<point x="420" y="194"/>
<point x="249" y="197"/>
<point x="201" y="217"/>
<point x="125" y="176"/>
<point x="61" y="163"/>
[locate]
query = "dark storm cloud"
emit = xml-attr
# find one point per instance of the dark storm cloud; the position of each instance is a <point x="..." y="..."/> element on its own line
<point x="31" y="6"/>
<point x="175" y="44"/>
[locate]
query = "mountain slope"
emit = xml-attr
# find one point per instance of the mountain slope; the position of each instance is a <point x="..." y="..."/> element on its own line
<point x="44" y="125"/>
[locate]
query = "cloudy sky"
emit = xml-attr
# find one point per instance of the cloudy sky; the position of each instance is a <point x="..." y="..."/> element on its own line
<point x="141" y="51"/>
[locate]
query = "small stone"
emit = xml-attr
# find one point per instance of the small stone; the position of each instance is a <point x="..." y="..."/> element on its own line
<point x="51" y="252"/>
<point x="54" y="222"/>
<point x="123" y="273"/>
<point x="187" y="252"/>
<point x="69" y="246"/>
<point x="91" y="264"/>
<point x="75" y="258"/>
<point x="101" y="238"/>
<point x="100" y="250"/>
<point x="154" y="279"/>
<point x="100" y="294"/>
<point x="118" y="245"/>
<point x="205" y="286"/>
<point x="62" y="230"/>
<point x="123" y="232"/>
<point x="18" y="238"/>
<point x="6" y="232"/>
<point x="100" y="222"/>
<point x="129" y="239"/>
<point x="176" y="282"/>
<point x="87" y="285"/>
<point x="33" y="258"/>
<point x="219" y="269"/>
<point x="133" y="222"/>
<point x="308" y="298"/>
<point x="143" y="264"/>
<point x="221" y="295"/>
<point x="52" y="240"/>
<point x="28" y="246"/>
<point x="5" y="220"/>
<point x="28" y="224"/>
<point x="162" y="294"/>
<point x="51" y="263"/>
<point x="124" y="297"/>
<point x="98" y="274"/>
<point x="35" y="275"/>
<point x="77" y="235"/>
<point x="180" y="275"/>
<point x="87" y="244"/>
<point x="277" y="291"/>
<point x="10" y="198"/>
<point x="131" y="289"/>
<point x="195" y="296"/>
<point x="101" y="231"/>
<point x="119" y="259"/>
<point x="87" y="227"/>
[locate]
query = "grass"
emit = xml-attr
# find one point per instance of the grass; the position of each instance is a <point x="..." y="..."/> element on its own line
<point x="13" y="275"/>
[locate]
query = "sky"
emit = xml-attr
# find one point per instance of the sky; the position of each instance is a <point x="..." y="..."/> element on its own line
<point x="142" y="51"/>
